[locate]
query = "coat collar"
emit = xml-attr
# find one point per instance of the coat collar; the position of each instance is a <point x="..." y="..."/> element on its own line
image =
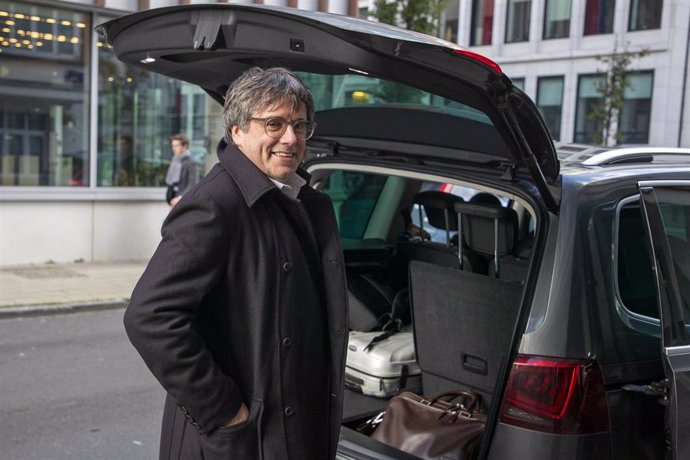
<point x="253" y="184"/>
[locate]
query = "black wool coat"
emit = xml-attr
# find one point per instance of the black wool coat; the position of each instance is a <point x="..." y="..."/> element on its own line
<point x="216" y="318"/>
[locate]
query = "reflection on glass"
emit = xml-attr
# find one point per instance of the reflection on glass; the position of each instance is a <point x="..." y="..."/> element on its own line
<point x="599" y="17"/>
<point x="636" y="112"/>
<point x="138" y="111"/>
<point x="588" y="129"/>
<point x="645" y="14"/>
<point x="335" y="91"/>
<point x="518" y="21"/>
<point x="557" y="19"/>
<point x="482" y="22"/>
<point x="43" y="96"/>
<point x="550" y="103"/>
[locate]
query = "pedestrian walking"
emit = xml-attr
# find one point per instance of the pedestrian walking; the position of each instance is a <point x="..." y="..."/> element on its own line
<point x="182" y="173"/>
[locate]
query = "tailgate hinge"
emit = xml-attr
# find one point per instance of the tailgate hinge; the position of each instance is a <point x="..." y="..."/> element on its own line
<point x="207" y="35"/>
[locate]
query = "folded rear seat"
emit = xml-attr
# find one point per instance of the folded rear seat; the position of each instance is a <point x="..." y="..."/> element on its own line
<point x="463" y="324"/>
<point x="464" y="321"/>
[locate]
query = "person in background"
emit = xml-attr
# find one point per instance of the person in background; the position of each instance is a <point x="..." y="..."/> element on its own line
<point x="241" y="313"/>
<point x="182" y="172"/>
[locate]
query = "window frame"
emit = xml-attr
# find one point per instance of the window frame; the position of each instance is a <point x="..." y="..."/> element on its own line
<point x="634" y="13"/>
<point x="552" y="3"/>
<point x="579" y="107"/>
<point x="608" y="26"/>
<point x="541" y="79"/>
<point x="636" y="321"/>
<point x="510" y="18"/>
<point x="645" y="140"/>
<point x="480" y="18"/>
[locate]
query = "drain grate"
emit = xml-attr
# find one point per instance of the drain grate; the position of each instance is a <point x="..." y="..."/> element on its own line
<point x="44" y="272"/>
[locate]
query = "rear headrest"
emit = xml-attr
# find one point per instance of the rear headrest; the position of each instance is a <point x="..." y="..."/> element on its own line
<point x="485" y="198"/>
<point x="478" y="227"/>
<point x="439" y="206"/>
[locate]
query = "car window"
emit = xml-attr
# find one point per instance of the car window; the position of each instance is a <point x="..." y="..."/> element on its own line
<point x="635" y="277"/>
<point x="336" y="91"/>
<point x="676" y="218"/>
<point x="466" y="193"/>
<point x="354" y="195"/>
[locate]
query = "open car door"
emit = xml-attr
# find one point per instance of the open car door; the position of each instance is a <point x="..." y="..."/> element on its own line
<point x="666" y="210"/>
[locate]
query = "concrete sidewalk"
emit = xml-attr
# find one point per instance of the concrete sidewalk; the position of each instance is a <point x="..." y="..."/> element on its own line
<point x="52" y="288"/>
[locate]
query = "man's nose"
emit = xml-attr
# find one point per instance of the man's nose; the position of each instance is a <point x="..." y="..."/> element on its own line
<point x="289" y="136"/>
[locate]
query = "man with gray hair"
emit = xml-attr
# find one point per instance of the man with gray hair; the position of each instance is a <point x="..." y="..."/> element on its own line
<point x="241" y="314"/>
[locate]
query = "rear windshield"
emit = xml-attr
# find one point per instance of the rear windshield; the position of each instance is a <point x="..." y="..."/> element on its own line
<point x="337" y="91"/>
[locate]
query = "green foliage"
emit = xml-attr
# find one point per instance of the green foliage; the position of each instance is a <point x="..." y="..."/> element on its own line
<point x="612" y="88"/>
<point x="418" y="15"/>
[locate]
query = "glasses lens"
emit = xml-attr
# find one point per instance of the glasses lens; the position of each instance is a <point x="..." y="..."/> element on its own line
<point x="304" y="129"/>
<point x="275" y="127"/>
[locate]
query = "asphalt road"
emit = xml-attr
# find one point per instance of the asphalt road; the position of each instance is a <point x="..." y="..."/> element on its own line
<point x="72" y="387"/>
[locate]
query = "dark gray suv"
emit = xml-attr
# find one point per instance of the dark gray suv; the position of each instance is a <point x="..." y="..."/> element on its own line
<point x="558" y="279"/>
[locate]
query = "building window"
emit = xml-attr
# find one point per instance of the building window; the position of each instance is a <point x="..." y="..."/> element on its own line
<point x="550" y="103"/>
<point x="449" y="21"/>
<point x="44" y="81"/>
<point x="637" y="108"/>
<point x="519" y="83"/>
<point x="633" y="119"/>
<point x="138" y="111"/>
<point x="599" y="17"/>
<point x="587" y="128"/>
<point x="451" y="31"/>
<point x="557" y="19"/>
<point x="645" y="14"/>
<point x="482" y="22"/>
<point x="517" y="22"/>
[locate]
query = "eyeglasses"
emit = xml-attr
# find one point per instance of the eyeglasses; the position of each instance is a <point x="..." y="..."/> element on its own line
<point x="275" y="127"/>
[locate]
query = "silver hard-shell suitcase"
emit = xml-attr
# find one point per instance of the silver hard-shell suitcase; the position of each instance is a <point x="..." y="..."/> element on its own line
<point x="382" y="368"/>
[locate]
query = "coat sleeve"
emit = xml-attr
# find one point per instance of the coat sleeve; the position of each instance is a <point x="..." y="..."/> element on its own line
<point x="159" y="320"/>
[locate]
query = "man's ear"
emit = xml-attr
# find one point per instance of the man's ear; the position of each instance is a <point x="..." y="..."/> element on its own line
<point x="236" y="134"/>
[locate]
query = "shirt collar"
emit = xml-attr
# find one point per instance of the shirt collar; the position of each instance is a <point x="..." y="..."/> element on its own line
<point x="291" y="186"/>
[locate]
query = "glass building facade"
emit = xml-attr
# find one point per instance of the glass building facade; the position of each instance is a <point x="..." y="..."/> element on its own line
<point x="72" y="115"/>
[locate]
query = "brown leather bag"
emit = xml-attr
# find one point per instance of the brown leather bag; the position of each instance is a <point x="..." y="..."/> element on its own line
<point x="433" y="428"/>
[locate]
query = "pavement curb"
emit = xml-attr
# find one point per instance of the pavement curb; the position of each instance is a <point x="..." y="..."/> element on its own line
<point x="60" y="309"/>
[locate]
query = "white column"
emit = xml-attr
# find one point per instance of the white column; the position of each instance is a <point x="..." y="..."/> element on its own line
<point x="337" y="6"/>
<point x="311" y="5"/>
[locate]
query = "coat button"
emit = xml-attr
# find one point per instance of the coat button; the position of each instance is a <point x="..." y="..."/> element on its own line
<point x="287" y="341"/>
<point x="289" y="411"/>
<point x="287" y="266"/>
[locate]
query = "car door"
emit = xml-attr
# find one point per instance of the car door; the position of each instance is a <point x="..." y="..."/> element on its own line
<point x="666" y="210"/>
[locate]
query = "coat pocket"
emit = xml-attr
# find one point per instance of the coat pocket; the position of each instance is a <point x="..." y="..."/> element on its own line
<point x="241" y="442"/>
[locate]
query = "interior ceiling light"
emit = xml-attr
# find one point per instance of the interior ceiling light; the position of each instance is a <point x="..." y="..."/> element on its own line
<point x="361" y="72"/>
<point x="148" y="60"/>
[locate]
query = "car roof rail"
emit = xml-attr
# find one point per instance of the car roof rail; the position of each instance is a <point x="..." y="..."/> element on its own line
<point x="638" y="155"/>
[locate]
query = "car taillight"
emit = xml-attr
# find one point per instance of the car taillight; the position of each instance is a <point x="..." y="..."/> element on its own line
<point x="478" y="57"/>
<point x="554" y="395"/>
